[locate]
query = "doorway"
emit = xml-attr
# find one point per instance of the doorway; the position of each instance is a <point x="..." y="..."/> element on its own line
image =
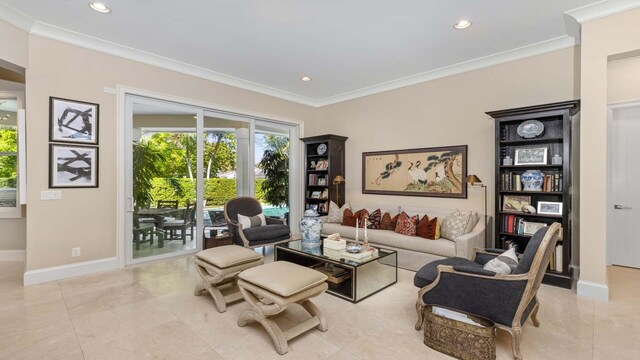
<point x="624" y="197"/>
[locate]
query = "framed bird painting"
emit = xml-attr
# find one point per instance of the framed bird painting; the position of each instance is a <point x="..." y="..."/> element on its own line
<point x="437" y="172"/>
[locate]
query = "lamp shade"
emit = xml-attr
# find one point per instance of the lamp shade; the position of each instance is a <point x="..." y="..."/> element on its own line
<point x="473" y="179"/>
<point x="338" y="179"/>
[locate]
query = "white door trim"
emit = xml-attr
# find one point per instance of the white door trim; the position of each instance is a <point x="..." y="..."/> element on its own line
<point x="121" y="129"/>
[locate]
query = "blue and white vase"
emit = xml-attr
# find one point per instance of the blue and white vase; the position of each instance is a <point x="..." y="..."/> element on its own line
<point x="532" y="180"/>
<point x="310" y="228"/>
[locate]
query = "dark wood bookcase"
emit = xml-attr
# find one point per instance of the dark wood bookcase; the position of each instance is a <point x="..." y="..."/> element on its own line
<point x="558" y="120"/>
<point x="318" y="179"/>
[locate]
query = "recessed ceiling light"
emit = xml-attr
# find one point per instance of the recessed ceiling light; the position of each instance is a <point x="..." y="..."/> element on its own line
<point x="462" y="24"/>
<point x="306" y="78"/>
<point x="100" y="7"/>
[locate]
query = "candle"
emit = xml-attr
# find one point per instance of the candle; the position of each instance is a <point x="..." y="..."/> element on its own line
<point x="357" y="229"/>
<point x="366" y="221"/>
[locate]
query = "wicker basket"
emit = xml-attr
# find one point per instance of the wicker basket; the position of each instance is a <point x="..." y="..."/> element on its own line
<point x="458" y="339"/>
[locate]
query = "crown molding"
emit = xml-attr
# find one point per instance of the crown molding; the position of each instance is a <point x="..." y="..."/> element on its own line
<point x="601" y="9"/>
<point x="16" y="18"/>
<point x="466" y="66"/>
<point x="34" y="27"/>
<point x="93" y="43"/>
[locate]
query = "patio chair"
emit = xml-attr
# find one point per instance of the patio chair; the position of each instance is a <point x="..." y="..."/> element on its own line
<point x="143" y="229"/>
<point x="506" y="299"/>
<point x="274" y="232"/>
<point x="187" y="222"/>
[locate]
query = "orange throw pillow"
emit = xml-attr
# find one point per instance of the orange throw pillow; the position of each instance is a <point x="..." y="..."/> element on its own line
<point x="385" y="223"/>
<point x="348" y="219"/>
<point x="394" y="223"/>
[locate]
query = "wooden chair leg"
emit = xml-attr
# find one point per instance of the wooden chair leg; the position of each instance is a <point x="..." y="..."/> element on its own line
<point x="420" y="321"/>
<point x="534" y="314"/>
<point x="516" y="336"/>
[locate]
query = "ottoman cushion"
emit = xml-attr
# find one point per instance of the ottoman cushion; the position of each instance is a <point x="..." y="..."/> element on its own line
<point x="283" y="278"/>
<point x="227" y="256"/>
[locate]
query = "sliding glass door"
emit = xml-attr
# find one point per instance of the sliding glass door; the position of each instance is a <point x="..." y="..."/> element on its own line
<point x="185" y="162"/>
<point x="165" y="182"/>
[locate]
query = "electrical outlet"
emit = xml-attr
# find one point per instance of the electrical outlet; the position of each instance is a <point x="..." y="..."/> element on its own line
<point x="75" y="252"/>
<point x="50" y="195"/>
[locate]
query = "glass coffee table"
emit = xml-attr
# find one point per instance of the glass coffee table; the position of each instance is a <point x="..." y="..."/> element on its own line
<point x="350" y="279"/>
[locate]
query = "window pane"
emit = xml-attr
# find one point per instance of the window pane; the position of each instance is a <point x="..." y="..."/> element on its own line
<point x="8" y="180"/>
<point x="8" y="137"/>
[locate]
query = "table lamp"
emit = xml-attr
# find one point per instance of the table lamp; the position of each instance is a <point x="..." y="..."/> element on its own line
<point x="337" y="181"/>
<point x="474" y="180"/>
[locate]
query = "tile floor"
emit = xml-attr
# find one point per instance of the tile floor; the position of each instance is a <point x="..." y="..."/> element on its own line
<point x="149" y="312"/>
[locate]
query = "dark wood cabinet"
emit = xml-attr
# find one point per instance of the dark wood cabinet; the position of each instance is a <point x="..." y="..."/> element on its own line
<point x="323" y="161"/>
<point x="558" y="119"/>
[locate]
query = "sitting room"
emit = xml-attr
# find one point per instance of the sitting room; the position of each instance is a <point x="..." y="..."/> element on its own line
<point x="318" y="180"/>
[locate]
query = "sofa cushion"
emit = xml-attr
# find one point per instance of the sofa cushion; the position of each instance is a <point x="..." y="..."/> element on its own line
<point x="374" y="219"/>
<point x="383" y="238"/>
<point x="272" y="232"/>
<point x="348" y="219"/>
<point x="336" y="213"/>
<point x="407" y="225"/>
<point x="429" y="272"/>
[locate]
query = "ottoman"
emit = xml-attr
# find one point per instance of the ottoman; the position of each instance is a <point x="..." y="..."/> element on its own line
<point x="219" y="268"/>
<point x="270" y="288"/>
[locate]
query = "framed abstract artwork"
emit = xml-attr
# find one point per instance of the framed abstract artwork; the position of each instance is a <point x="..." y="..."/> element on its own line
<point x="436" y="172"/>
<point x="73" y="166"/>
<point x="73" y="121"/>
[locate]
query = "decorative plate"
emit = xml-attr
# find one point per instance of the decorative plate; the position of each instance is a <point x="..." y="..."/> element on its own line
<point x="322" y="148"/>
<point x="354" y="248"/>
<point x="530" y="129"/>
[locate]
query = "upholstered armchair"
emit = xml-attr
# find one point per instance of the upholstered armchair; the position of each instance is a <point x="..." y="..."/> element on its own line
<point x="274" y="232"/>
<point x="507" y="300"/>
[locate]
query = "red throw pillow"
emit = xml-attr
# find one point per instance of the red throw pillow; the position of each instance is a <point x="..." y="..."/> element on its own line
<point x="428" y="229"/>
<point x="407" y="225"/>
<point x="423" y="227"/>
<point x="360" y="215"/>
<point x="348" y="219"/>
<point x="375" y="219"/>
<point x="394" y="223"/>
<point x="385" y="223"/>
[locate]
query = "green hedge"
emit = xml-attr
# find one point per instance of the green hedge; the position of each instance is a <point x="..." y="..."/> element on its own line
<point x="11" y="183"/>
<point x="216" y="191"/>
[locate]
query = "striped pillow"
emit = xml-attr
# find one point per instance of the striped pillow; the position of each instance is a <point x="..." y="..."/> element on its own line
<point x="252" y="221"/>
<point x="505" y="263"/>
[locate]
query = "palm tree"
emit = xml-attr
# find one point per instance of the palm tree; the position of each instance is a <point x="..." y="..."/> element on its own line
<point x="178" y="139"/>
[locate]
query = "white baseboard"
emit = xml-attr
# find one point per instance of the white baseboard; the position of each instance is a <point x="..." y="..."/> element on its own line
<point x="593" y="290"/>
<point x="11" y="255"/>
<point x="67" y="271"/>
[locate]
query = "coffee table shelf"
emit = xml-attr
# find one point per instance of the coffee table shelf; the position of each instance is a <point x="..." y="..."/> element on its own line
<point x="364" y="277"/>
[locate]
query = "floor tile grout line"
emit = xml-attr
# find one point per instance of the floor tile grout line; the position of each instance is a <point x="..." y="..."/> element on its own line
<point x="64" y="300"/>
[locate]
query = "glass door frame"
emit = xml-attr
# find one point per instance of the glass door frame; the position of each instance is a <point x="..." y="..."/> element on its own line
<point x="130" y="99"/>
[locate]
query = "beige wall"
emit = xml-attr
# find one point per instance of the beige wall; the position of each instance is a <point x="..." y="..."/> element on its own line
<point x="448" y="111"/>
<point x="13" y="234"/>
<point x="601" y="38"/>
<point x="87" y="217"/>
<point x="15" y="45"/>
<point x="623" y="80"/>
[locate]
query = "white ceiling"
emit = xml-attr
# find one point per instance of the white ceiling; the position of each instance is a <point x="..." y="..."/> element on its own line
<point x="349" y="47"/>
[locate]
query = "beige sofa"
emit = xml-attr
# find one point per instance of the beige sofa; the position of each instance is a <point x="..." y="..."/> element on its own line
<point x="413" y="251"/>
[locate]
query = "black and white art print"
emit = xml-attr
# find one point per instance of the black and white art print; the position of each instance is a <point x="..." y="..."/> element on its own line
<point x="73" y="121"/>
<point x="72" y="166"/>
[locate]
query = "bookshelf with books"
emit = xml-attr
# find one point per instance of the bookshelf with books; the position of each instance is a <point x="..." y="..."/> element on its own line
<point x="534" y="174"/>
<point x="323" y="161"/>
